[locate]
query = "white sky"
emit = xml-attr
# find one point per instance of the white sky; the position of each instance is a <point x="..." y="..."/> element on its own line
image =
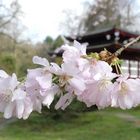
<point x="43" y="17"/>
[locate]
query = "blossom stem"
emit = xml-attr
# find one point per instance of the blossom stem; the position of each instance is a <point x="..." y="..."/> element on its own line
<point x="55" y="79"/>
<point x="119" y="68"/>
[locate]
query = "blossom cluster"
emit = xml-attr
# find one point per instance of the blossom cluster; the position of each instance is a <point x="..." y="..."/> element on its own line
<point x="87" y="79"/>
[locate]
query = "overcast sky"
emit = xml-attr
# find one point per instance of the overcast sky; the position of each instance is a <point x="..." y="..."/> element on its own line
<point x="43" y="17"/>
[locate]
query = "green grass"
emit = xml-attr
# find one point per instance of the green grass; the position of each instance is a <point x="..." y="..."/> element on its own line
<point x="98" y="125"/>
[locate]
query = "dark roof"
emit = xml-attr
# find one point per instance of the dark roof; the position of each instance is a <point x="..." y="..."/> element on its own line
<point x="99" y="36"/>
<point x="97" y="41"/>
<point x="110" y="30"/>
<point x="131" y="53"/>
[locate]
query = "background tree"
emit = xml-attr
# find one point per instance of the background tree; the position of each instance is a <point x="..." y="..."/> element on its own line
<point x="48" y="40"/>
<point x="102" y="14"/>
<point x="9" y="13"/>
<point x="13" y="50"/>
<point x="72" y="22"/>
<point x="51" y="44"/>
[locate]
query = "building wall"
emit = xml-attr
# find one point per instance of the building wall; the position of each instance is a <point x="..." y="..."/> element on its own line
<point x="131" y="67"/>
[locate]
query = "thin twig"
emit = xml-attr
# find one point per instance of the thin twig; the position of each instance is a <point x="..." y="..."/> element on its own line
<point x="111" y="56"/>
<point x="119" y="51"/>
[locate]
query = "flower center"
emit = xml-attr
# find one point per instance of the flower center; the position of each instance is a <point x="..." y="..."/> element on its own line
<point x="104" y="84"/>
<point x="124" y="88"/>
<point x="63" y="79"/>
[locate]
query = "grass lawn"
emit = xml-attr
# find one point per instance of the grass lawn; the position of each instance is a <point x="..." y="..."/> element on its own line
<point x="98" y="125"/>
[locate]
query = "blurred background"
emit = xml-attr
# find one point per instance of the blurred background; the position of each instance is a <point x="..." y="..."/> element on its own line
<point x="40" y="27"/>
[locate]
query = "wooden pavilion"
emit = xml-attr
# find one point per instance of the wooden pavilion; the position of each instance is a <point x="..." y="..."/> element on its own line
<point x="112" y="39"/>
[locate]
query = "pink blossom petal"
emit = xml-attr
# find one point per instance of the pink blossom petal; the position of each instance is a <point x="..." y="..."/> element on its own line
<point x="82" y="64"/>
<point x="8" y="83"/>
<point x="18" y="94"/>
<point x="64" y="101"/>
<point x="28" y="108"/>
<point x="45" y="81"/>
<point x="2" y="105"/>
<point x="48" y="99"/>
<point x="9" y="110"/>
<point x="69" y="69"/>
<point x="13" y="82"/>
<point x="3" y="74"/>
<point x="104" y="67"/>
<point x="32" y="73"/>
<point x="80" y="47"/>
<point x="77" y="84"/>
<point x="40" y="61"/>
<point x="37" y="105"/>
<point x="19" y="108"/>
<point x="128" y="102"/>
<point x="55" y="69"/>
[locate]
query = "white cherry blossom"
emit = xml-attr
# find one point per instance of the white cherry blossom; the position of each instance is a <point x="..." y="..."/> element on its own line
<point x="13" y="100"/>
<point x="126" y="93"/>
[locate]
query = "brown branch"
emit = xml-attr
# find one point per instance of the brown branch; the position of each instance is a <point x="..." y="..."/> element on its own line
<point x="119" y="51"/>
<point x="111" y="57"/>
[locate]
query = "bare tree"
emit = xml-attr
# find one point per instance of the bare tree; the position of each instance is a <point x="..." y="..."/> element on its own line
<point x="8" y="13"/>
<point x="71" y="23"/>
<point x="103" y="13"/>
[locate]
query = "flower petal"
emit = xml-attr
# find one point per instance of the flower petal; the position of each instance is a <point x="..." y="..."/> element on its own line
<point x="77" y="84"/>
<point x="70" y="69"/>
<point x="45" y="82"/>
<point x="50" y="95"/>
<point x="28" y="108"/>
<point x="19" y="108"/>
<point x="9" y="110"/>
<point x="13" y="82"/>
<point x="3" y="74"/>
<point x="81" y="47"/>
<point x="18" y="94"/>
<point x="48" y="99"/>
<point x="64" y="101"/>
<point x="40" y="61"/>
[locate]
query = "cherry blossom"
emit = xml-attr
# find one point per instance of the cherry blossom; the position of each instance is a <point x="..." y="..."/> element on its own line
<point x="69" y="74"/>
<point x="126" y="93"/>
<point x="39" y="85"/>
<point x="70" y="81"/>
<point x="13" y="100"/>
<point x="98" y="91"/>
<point x="74" y="54"/>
